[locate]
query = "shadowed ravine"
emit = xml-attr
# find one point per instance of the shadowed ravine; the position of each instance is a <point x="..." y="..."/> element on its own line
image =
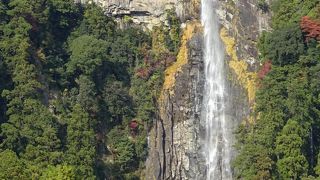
<point x="217" y="147"/>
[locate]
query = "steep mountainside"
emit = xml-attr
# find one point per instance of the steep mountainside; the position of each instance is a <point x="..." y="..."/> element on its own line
<point x="175" y="140"/>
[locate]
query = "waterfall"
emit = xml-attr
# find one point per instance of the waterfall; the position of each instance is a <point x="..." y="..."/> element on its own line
<point x="218" y="135"/>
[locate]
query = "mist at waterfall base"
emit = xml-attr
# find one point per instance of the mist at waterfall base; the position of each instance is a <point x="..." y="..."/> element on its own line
<point x="217" y="147"/>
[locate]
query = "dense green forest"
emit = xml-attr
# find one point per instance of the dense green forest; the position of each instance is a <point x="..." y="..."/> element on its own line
<point x="284" y="141"/>
<point x="77" y="92"/>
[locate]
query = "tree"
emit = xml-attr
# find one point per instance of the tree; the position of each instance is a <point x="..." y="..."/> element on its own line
<point x="63" y="14"/>
<point x="122" y="149"/>
<point x="5" y="82"/>
<point x="33" y="135"/>
<point x="11" y="167"/>
<point x="173" y="41"/>
<point x="118" y="101"/>
<point x="40" y="132"/>
<point x="87" y="53"/>
<point x="292" y="164"/>
<point x="80" y="143"/>
<point x="283" y="46"/>
<point x="310" y="27"/>
<point x="59" y="172"/>
<point x="3" y="10"/>
<point x="97" y="24"/>
<point x="254" y="162"/>
<point x="87" y="96"/>
<point x="290" y="11"/>
<point x="15" y="50"/>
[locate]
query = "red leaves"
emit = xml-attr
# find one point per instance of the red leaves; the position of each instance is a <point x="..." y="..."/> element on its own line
<point x="265" y="69"/>
<point x="310" y="27"/>
<point x="133" y="124"/>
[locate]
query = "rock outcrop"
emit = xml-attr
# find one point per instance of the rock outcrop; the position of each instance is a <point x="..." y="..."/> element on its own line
<point x="148" y="13"/>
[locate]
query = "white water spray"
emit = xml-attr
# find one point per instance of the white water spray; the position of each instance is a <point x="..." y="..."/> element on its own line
<point x="218" y="126"/>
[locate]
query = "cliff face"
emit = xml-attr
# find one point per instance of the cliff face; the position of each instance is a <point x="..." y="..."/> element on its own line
<point x="175" y="140"/>
<point x="148" y="13"/>
<point x="242" y="22"/>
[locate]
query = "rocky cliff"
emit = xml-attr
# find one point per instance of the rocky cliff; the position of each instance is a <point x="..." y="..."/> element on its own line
<point x="148" y="13"/>
<point x="175" y="140"/>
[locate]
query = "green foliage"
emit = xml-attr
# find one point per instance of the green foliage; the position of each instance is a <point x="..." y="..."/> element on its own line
<point x="87" y="54"/>
<point x="80" y="143"/>
<point x="122" y="149"/>
<point x="96" y="24"/>
<point x="291" y="162"/>
<point x="87" y="95"/>
<point x="288" y="43"/>
<point x="34" y="11"/>
<point x="118" y="101"/>
<point x="290" y="11"/>
<point x="68" y="78"/>
<point x="63" y="13"/>
<point x="173" y="41"/>
<point x="142" y="98"/>
<point x="59" y="172"/>
<point x="263" y="5"/>
<point x="283" y="142"/>
<point x="11" y="166"/>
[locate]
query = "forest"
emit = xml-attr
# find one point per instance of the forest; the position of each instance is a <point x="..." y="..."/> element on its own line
<point x="77" y="93"/>
<point x="284" y="141"/>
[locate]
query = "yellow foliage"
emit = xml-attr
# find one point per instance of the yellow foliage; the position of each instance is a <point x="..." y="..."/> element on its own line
<point x="247" y="79"/>
<point x="182" y="57"/>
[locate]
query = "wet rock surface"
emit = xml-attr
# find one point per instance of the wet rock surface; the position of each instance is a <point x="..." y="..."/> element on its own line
<point x="245" y="22"/>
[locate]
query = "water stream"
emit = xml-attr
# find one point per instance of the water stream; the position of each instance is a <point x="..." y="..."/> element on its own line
<point x="218" y="133"/>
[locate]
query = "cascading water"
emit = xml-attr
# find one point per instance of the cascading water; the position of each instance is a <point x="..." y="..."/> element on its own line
<point x="217" y="147"/>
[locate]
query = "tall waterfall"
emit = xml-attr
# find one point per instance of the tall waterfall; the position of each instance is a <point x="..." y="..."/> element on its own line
<point x="218" y="134"/>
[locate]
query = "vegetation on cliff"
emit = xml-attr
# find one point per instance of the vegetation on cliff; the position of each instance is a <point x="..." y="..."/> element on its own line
<point x="247" y="79"/>
<point x="76" y="101"/>
<point x="283" y="143"/>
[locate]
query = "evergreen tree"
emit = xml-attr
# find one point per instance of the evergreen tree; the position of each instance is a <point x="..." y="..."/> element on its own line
<point x="80" y="143"/>
<point x="292" y="164"/>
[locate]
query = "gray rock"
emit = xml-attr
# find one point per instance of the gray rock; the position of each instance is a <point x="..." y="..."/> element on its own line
<point x="147" y="13"/>
<point x="177" y="127"/>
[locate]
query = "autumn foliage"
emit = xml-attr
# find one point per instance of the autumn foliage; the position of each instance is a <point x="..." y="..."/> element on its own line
<point x="310" y="27"/>
<point x="265" y="69"/>
<point x="151" y="66"/>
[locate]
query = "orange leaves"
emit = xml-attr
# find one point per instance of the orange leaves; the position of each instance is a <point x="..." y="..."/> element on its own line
<point x="310" y="27"/>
